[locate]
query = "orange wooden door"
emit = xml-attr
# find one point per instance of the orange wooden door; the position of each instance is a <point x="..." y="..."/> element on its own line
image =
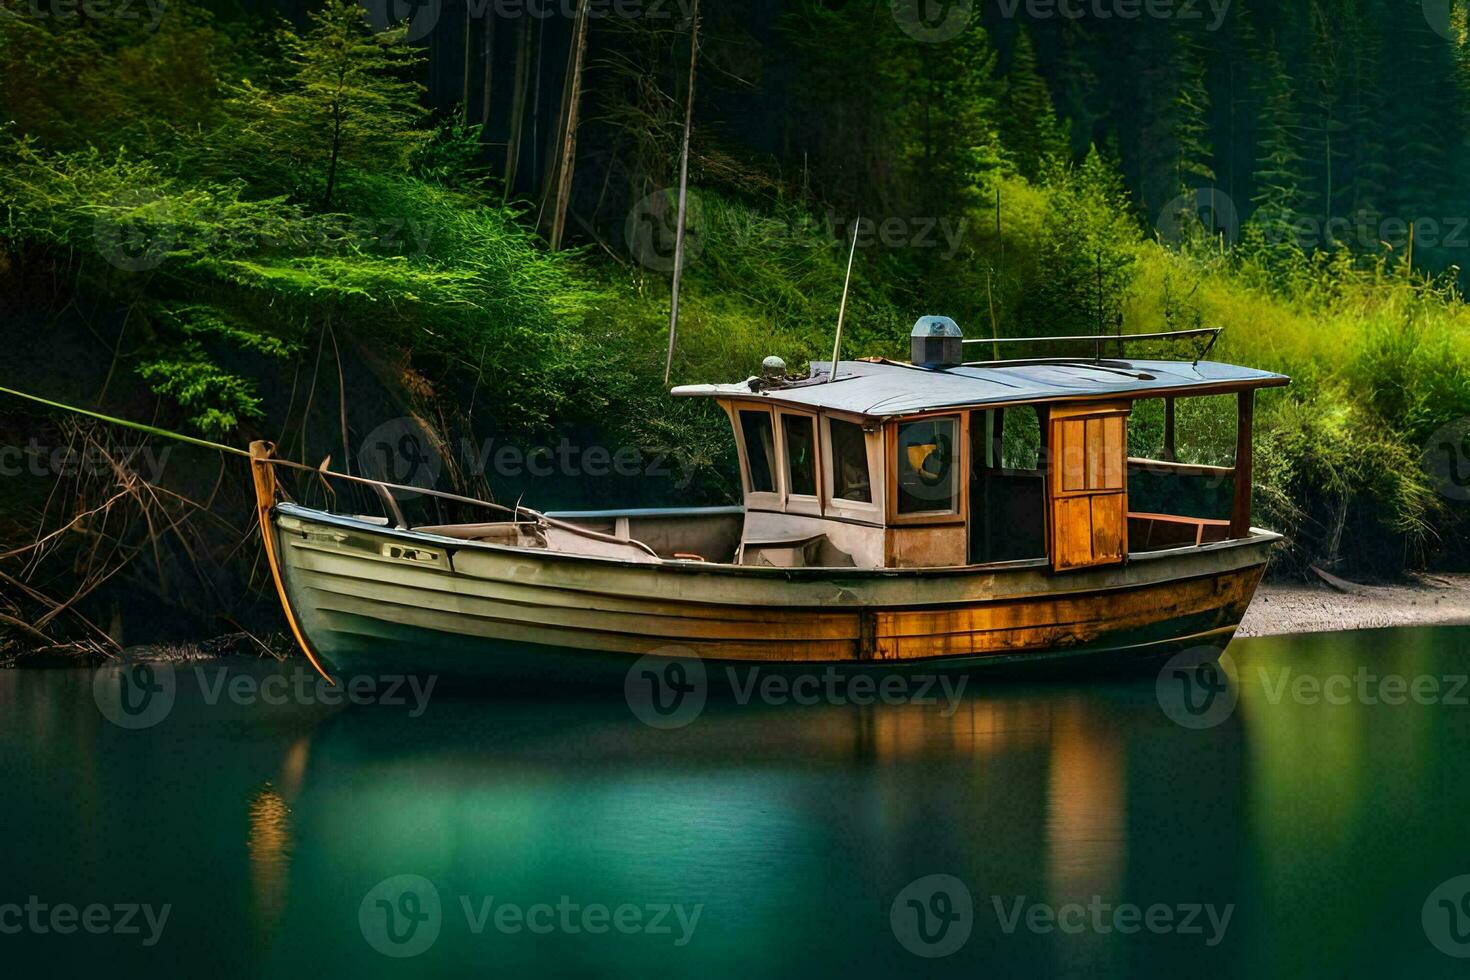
<point x="1087" y="485"/>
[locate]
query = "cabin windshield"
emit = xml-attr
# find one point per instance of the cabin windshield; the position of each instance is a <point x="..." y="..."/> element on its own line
<point x="800" y="434"/>
<point x="760" y="447"/>
<point x="850" y="478"/>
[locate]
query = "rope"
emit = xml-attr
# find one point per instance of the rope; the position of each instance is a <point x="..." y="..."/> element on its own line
<point x="515" y="512"/>
<point x="150" y="429"/>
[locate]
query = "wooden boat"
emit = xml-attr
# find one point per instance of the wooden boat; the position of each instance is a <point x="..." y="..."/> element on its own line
<point x="894" y="517"/>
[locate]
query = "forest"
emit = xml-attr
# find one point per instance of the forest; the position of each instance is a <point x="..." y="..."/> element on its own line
<point x="329" y="224"/>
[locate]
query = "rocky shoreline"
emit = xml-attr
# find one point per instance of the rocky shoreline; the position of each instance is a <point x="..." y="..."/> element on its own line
<point x="1441" y="599"/>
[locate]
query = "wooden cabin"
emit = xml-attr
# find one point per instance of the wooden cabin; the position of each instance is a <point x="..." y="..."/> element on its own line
<point x="901" y="465"/>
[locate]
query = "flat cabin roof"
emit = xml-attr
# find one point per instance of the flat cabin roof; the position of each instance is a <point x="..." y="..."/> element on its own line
<point x="888" y="389"/>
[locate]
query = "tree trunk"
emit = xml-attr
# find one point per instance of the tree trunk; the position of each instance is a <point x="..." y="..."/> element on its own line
<point x="518" y="106"/>
<point x="469" y="59"/>
<point x="332" y="164"/>
<point x="562" y="165"/>
<point x="489" y="52"/>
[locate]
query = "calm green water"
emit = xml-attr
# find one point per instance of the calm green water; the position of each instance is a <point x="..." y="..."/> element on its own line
<point x="757" y="839"/>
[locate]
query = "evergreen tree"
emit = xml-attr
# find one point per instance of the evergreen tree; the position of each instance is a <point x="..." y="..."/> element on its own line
<point x="347" y="99"/>
<point x="1029" y="128"/>
<point x="1087" y="250"/>
<point x="1323" y="99"/>
<point x="941" y="106"/>
<point x="1279" y="197"/>
<point x="1237" y="104"/>
<point x="1365" y="169"/>
<point x="1077" y="86"/>
<point x="1426" y="107"/>
<point x="1191" y="129"/>
<point x="1144" y="114"/>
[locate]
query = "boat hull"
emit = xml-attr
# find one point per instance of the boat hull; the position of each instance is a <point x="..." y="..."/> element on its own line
<point x="373" y="600"/>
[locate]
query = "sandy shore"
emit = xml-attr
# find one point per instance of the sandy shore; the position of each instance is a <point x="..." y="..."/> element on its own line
<point x="1424" y="600"/>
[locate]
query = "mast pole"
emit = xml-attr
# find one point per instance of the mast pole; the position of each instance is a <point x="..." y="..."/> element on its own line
<point x="683" y="196"/>
<point x="842" y="308"/>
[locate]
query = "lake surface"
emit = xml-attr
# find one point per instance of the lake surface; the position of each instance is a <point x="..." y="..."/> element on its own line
<point x="1309" y="815"/>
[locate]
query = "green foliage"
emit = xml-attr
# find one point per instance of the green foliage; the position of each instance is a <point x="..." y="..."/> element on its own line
<point x="1029" y="129"/>
<point x="1280" y="198"/>
<point x="1086" y="251"/>
<point x="345" y="99"/>
<point x="1192" y="116"/>
<point x="912" y="128"/>
<point x="249" y="207"/>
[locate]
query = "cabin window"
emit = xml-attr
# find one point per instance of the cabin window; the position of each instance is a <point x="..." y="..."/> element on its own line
<point x="928" y="477"/>
<point x="756" y="429"/>
<point x="800" y="432"/>
<point x="850" y="479"/>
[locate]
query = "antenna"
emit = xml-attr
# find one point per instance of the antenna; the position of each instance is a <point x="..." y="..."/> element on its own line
<point x="683" y="192"/>
<point x="1097" y="347"/>
<point x="842" y="309"/>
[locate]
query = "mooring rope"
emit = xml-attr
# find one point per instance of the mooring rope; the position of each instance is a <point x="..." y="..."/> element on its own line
<point x="139" y="426"/>
<point x="154" y="430"/>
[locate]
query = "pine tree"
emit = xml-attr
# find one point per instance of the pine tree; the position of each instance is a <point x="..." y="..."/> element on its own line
<point x="1087" y="251"/>
<point x="940" y="102"/>
<point x="1323" y="99"/>
<point x="1279" y="197"/>
<point x="1365" y="170"/>
<point x="347" y="100"/>
<point x="1078" y="97"/>
<point x="1239" y="103"/>
<point x="1029" y="128"/>
<point x="1191" y="129"/>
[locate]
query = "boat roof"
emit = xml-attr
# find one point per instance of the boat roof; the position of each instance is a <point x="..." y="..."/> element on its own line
<point x="886" y="389"/>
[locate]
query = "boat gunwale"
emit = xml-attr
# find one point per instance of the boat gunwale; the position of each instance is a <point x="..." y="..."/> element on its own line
<point x="1257" y="537"/>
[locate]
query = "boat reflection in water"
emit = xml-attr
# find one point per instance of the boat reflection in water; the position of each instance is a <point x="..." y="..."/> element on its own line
<point x="790" y="825"/>
<point x="793" y="830"/>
